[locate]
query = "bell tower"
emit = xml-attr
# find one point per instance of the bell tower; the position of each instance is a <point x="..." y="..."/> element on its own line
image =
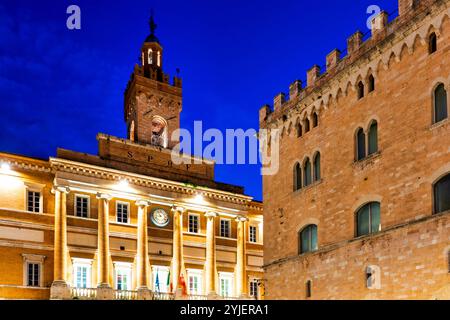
<point x="152" y="103"/>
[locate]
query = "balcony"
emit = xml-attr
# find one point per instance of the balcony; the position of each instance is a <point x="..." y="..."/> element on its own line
<point x="125" y="295"/>
<point x="91" y="294"/>
<point x="84" y="293"/>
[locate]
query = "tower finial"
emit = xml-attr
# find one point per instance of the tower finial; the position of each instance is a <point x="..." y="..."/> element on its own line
<point x="152" y="23"/>
<point x="153" y="26"/>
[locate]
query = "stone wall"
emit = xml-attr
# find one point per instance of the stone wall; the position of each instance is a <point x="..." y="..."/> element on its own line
<point x="413" y="154"/>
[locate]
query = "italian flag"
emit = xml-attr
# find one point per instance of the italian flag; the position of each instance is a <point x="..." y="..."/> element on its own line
<point x="169" y="283"/>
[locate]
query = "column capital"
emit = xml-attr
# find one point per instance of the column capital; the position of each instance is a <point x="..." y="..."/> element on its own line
<point x="241" y="219"/>
<point x="143" y="203"/>
<point x="178" y="209"/>
<point x="104" y="196"/>
<point x="211" y="214"/>
<point x="62" y="189"/>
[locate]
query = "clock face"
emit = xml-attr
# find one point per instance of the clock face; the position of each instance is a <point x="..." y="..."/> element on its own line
<point x="160" y="217"/>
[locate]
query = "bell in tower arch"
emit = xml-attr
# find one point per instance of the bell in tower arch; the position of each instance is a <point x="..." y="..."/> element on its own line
<point x="159" y="132"/>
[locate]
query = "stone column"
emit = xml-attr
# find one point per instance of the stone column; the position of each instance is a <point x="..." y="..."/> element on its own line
<point x="210" y="255"/>
<point x="142" y="251"/>
<point x="177" y="258"/>
<point x="104" y="289"/>
<point x="60" y="289"/>
<point x="241" y="278"/>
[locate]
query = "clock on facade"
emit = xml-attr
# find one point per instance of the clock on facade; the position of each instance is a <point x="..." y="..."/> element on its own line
<point x="159" y="217"/>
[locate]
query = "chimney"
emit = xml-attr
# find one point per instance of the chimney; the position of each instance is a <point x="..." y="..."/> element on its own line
<point x="278" y="101"/>
<point x="333" y="58"/>
<point x="379" y="22"/>
<point x="312" y="75"/>
<point x="354" y="42"/>
<point x="295" y="88"/>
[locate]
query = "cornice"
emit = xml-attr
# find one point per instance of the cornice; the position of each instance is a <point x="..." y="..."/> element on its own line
<point x="24" y="163"/>
<point x="83" y="169"/>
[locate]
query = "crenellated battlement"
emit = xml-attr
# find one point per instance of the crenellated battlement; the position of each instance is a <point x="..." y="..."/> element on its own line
<point x="156" y="75"/>
<point x="380" y="39"/>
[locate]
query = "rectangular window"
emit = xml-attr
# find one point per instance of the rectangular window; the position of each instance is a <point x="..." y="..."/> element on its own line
<point x="82" y="274"/>
<point x="225" y="282"/>
<point x="193" y="223"/>
<point x="82" y="206"/>
<point x="122" y="210"/>
<point x="33" y="274"/>
<point x="194" y="282"/>
<point x="252" y="234"/>
<point x="33" y="201"/>
<point x="123" y="277"/>
<point x="225" y="228"/>
<point x="254" y="289"/>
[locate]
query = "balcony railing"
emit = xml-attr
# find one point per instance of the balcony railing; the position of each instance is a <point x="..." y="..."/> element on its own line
<point x="84" y="293"/>
<point x="162" y="296"/>
<point x="125" y="295"/>
<point x="197" y="297"/>
<point x="91" y="294"/>
<point x="228" y="298"/>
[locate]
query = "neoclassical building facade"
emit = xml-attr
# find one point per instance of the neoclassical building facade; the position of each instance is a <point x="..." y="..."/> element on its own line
<point x="365" y="146"/>
<point x="128" y="223"/>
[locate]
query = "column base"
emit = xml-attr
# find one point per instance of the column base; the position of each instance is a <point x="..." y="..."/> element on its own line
<point x="105" y="292"/>
<point x="144" y="293"/>
<point x="60" y="290"/>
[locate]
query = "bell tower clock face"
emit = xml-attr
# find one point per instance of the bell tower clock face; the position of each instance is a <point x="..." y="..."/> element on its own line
<point x="159" y="217"/>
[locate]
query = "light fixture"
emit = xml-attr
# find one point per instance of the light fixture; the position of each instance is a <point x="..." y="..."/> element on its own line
<point x="123" y="183"/>
<point x="5" y="167"/>
<point x="199" y="199"/>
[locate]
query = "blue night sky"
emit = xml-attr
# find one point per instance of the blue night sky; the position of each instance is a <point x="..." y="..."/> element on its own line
<point x="59" y="88"/>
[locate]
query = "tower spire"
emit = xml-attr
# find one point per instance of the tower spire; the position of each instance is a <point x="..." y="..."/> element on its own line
<point x="152" y="23"/>
<point x="153" y="26"/>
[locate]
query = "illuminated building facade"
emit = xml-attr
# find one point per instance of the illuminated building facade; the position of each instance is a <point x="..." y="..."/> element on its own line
<point x="128" y="223"/>
<point x="365" y="149"/>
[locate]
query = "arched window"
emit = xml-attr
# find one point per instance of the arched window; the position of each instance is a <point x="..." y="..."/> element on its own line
<point x="315" y="120"/>
<point x="307" y="125"/>
<point x="440" y="103"/>
<point x="432" y="43"/>
<point x="307" y="173"/>
<point x="360" y="144"/>
<point x="442" y="194"/>
<point x="299" y="130"/>
<point x="371" y="83"/>
<point x="150" y="56"/>
<point x="297" y="177"/>
<point x="373" y="138"/>
<point x="360" y="90"/>
<point x="308" y="239"/>
<point x="368" y="219"/>
<point x="317" y="167"/>
<point x="158" y="57"/>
